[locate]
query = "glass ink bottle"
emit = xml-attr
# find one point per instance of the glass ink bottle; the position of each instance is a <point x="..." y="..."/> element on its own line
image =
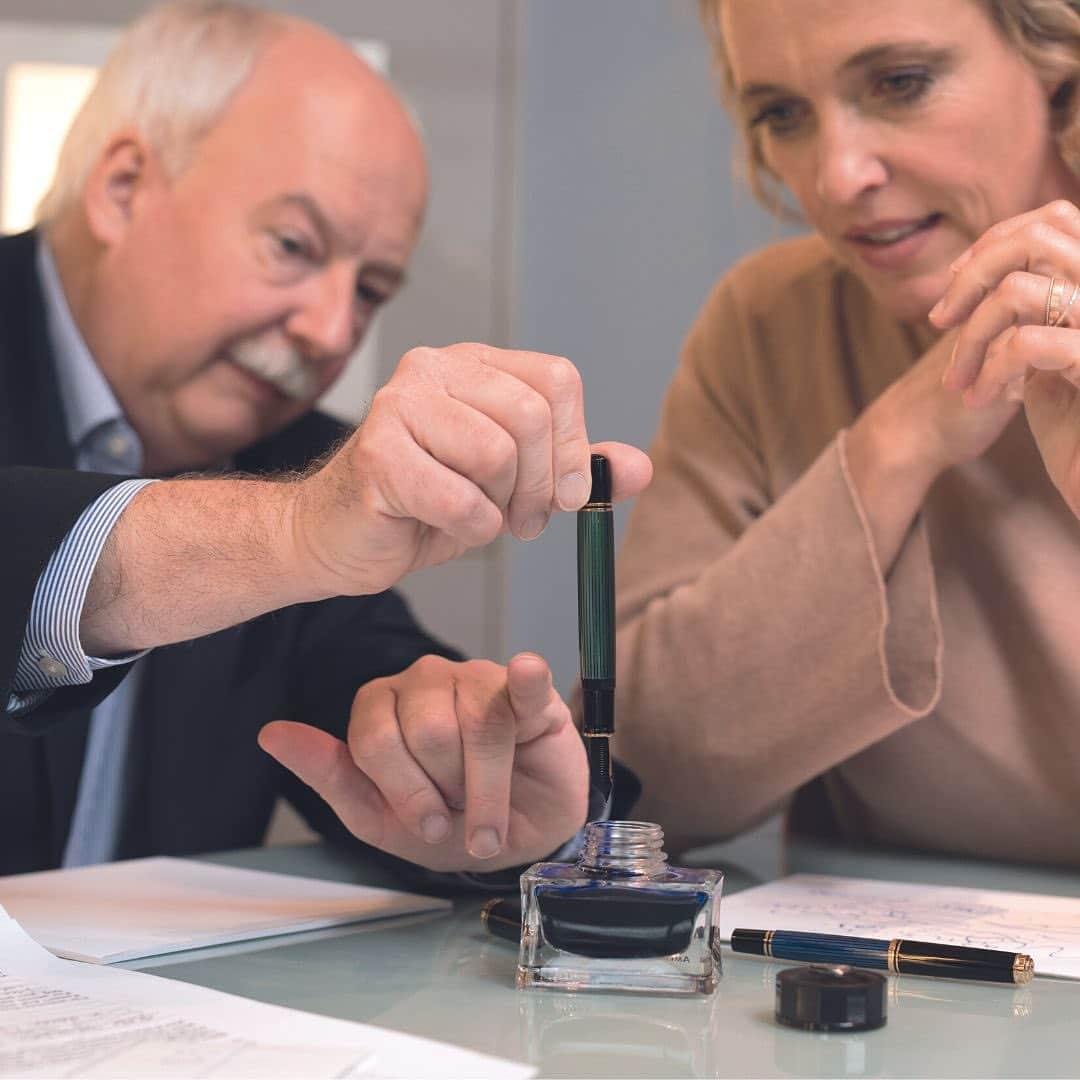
<point x="619" y="918"/>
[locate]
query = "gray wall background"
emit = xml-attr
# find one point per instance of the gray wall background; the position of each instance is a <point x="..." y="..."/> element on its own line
<point x="626" y="211"/>
<point x="583" y="204"/>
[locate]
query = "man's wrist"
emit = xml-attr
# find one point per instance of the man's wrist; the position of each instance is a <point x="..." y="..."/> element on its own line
<point x="189" y="557"/>
<point x="298" y="552"/>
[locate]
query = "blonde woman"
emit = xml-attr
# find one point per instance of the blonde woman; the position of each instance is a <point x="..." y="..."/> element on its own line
<point x="853" y="589"/>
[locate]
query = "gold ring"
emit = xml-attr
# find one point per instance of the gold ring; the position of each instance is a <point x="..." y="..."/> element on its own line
<point x="1049" y="301"/>
<point x="1055" y="301"/>
<point x="1065" y="310"/>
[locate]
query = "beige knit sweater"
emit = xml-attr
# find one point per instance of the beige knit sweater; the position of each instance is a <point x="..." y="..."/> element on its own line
<point x="759" y="647"/>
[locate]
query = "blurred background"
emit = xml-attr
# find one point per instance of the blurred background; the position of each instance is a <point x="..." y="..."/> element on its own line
<point x="584" y="201"/>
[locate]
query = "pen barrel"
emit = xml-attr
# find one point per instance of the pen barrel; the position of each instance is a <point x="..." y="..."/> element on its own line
<point x="596" y="600"/>
<point x="813" y="948"/>
<point x="958" y="962"/>
<point x="901" y="956"/>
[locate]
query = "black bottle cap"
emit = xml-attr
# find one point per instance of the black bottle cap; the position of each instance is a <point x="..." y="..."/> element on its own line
<point x="601" y="479"/>
<point x="830" y="998"/>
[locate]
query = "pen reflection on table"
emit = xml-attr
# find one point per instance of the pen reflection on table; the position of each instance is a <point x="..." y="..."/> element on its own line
<point x="906" y="992"/>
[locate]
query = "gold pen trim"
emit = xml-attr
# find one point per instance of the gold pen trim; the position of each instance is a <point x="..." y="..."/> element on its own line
<point x="894" y="956"/>
<point x="1023" y="969"/>
<point x="596" y="506"/>
<point x="767" y="942"/>
<point x="485" y="911"/>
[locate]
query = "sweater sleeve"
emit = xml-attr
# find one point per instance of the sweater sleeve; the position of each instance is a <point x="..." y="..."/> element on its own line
<point x="759" y="644"/>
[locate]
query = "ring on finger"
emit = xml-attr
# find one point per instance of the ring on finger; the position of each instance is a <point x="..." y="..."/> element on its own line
<point x="1065" y="310"/>
<point x="1056" y="305"/>
<point x="1049" y="314"/>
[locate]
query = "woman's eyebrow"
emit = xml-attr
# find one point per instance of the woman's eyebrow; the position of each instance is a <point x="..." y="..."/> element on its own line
<point x="898" y="50"/>
<point x="936" y="55"/>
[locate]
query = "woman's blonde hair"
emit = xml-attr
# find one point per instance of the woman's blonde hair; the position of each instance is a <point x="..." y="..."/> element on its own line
<point x="1046" y="32"/>
<point x="170" y="77"/>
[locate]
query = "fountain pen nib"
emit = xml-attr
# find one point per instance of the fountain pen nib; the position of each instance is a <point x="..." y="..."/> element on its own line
<point x="601" y="777"/>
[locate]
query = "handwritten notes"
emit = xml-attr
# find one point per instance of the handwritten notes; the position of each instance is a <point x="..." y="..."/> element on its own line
<point x="61" y="1018"/>
<point x="1045" y="927"/>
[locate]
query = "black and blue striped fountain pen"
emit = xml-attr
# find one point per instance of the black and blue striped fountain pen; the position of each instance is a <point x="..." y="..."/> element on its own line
<point x="899" y="955"/>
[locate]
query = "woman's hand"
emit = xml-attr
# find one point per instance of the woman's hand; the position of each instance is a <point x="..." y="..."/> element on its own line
<point x="907" y="437"/>
<point x="1016" y="298"/>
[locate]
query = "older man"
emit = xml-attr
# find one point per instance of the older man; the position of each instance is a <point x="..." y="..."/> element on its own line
<point x="238" y="196"/>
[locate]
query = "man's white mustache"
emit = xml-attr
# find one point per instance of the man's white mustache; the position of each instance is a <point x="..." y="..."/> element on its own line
<point x="279" y="364"/>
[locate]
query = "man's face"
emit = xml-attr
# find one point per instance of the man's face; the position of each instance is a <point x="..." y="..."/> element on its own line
<point x="240" y="287"/>
<point x="904" y="130"/>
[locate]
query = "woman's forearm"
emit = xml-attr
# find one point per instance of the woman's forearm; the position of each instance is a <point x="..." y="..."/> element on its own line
<point x="772" y="663"/>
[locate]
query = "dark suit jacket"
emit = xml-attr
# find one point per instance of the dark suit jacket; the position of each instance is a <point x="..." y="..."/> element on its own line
<point x="197" y="781"/>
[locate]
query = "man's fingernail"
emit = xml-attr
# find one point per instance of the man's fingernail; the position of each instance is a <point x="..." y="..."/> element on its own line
<point x="937" y="309"/>
<point x="435" y="827"/>
<point x="573" y="490"/>
<point x="484" y="843"/>
<point x="534" y="527"/>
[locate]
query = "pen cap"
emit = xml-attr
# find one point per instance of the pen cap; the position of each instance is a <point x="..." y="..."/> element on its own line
<point x="830" y="998"/>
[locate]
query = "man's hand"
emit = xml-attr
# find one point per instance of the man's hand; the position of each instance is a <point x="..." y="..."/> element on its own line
<point x="454" y="766"/>
<point x="462" y="443"/>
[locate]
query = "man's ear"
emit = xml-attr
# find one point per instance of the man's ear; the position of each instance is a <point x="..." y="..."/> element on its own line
<point x="126" y="171"/>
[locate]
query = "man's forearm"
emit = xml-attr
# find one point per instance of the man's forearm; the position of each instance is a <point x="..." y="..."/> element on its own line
<point x="189" y="557"/>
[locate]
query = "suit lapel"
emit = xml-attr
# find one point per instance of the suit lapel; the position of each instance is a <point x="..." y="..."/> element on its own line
<point x="33" y="432"/>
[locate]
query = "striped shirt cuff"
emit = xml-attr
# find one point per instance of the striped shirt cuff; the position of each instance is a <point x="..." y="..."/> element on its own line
<point x="52" y="655"/>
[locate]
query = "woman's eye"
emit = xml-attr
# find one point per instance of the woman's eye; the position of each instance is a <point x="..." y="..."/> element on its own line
<point x="781" y="118"/>
<point x="903" y="85"/>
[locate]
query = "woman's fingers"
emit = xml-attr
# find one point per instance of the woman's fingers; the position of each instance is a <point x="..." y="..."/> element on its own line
<point x="1018" y="300"/>
<point x="1019" y="351"/>
<point x="1040" y="247"/>
<point x="1011" y="287"/>
<point x="1061" y="214"/>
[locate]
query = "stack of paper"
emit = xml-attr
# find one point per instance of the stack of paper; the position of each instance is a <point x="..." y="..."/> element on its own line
<point x="148" y="907"/>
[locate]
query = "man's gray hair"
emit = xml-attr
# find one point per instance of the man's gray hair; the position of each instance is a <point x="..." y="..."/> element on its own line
<point x="170" y="77"/>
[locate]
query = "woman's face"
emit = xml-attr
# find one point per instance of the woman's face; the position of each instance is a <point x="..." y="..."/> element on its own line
<point x="904" y="129"/>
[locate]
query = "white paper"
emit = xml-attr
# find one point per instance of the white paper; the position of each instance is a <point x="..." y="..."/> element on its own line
<point x="60" y="1018"/>
<point x="148" y="907"/>
<point x="1047" y="928"/>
